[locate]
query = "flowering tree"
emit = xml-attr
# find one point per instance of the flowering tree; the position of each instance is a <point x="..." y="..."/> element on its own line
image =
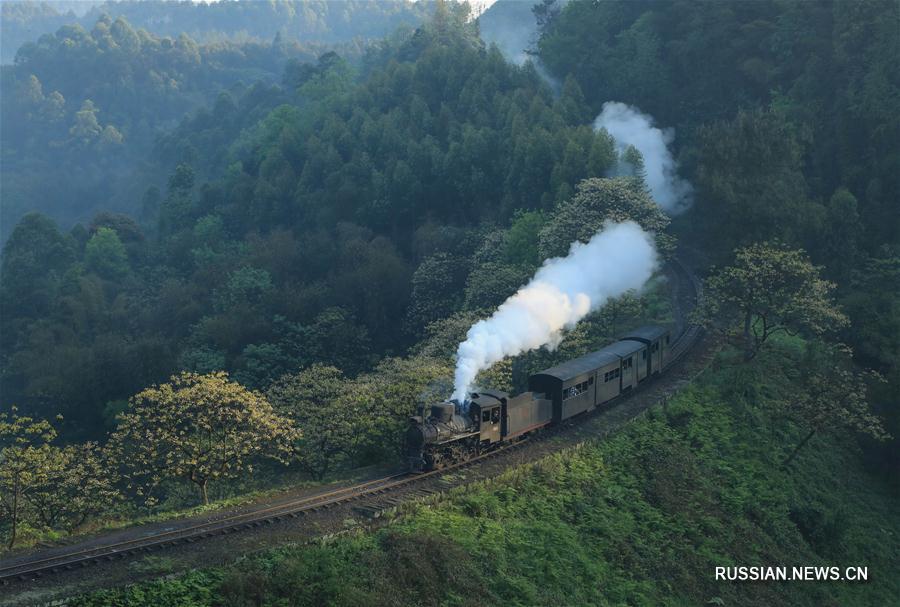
<point x="768" y="289"/>
<point x="197" y="428"/>
<point x="25" y="459"/>
<point x="832" y="397"/>
<point x="77" y="484"/>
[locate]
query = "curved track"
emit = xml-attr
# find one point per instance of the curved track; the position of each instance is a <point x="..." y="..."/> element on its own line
<point x="39" y="565"/>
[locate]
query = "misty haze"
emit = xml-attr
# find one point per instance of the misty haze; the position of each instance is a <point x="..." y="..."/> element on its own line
<point x="445" y="303"/>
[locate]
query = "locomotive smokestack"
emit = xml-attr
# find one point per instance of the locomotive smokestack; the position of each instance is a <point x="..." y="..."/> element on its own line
<point x="617" y="259"/>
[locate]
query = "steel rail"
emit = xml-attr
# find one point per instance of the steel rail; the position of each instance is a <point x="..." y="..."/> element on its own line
<point x="26" y="570"/>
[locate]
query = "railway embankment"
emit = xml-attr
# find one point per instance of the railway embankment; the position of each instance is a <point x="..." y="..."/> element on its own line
<point x="643" y="512"/>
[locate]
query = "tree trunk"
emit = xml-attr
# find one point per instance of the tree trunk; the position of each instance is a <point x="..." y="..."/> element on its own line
<point x="204" y="493"/>
<point x="790" y="458"/>
<point x="15" y="513"/>
<point x="748" y="342"/>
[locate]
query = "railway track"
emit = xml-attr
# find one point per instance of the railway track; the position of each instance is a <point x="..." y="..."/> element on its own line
<point x="68" y="561"/>
<point x="39" y="566"/>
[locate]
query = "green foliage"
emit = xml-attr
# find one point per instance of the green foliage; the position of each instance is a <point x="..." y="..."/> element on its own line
<point x="832" y="396"/>
<point x="768" y="290"/>
<point x="643" y="517"/>
<point x="79" y="485"/>
<point x="87" y="102"/>
<point x="197" y="428"/>
<point x="489" y="284"/>
<point x="521" y="243"/>
<point x="769" y="200"/>
<point x="105" y="255"/>
<point x="437" y="286"/>
<point x="86" y="129"/>
<point x="34" y="260"/>
<point x="298" y="223"/>
<point x="596" y="202"/>
<point x="286" y="22"/>
<point x="320" y="403"/>
<point x="25" y="459"/>
<point x="43" y="486"/>
<point x="194" y="589"/>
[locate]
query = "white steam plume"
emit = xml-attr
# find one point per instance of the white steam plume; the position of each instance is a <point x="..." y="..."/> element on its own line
<point x="512" y="26"/>
<point x="618" y="258"/>
<point x="628" y="126"/>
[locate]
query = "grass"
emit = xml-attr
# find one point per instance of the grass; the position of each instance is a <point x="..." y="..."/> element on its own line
<point x="641" y="518"/>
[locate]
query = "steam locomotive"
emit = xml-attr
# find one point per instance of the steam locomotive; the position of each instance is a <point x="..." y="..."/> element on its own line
<point x="449" y="432"/>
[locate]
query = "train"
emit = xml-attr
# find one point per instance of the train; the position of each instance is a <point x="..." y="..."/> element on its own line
<point x="450" y="432"/>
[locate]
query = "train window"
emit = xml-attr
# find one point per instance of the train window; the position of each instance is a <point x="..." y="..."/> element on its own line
<point x="495" y="415"/>
<point x="485" y="416"/>
<point x="577" y="389"/>
<point x="656" y="347"/>
<point x="644" y="354"/>
<point x="667" y="340"/>
<point x="591" y="381"/>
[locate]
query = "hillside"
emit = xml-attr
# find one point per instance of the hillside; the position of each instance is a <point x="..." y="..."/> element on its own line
<point x="317" y="208"/>
<point x="642" y="518"/>
<point x="89" y="93"/>
<point x="244" y="264"/>
<point x="292" y="20"/>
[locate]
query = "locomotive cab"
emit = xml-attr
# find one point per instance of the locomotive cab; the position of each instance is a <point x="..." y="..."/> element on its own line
<point x="488" y="417"/>
<point x="487" y="408"/>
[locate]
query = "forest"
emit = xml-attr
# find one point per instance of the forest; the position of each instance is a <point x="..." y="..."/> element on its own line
<point x="25" y="21"/>
<point x="300" y="208"/>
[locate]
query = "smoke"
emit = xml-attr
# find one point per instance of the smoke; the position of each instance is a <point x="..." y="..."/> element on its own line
<point x="629" y="127"/>
<point x="512" y="26"/>
<point x="564" y="290"/>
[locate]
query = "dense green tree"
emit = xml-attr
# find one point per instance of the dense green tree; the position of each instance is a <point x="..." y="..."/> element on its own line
<point x="34" y="260"/>
<point x="768" y="290"/>
<point x="596" y="202"/>
<point x="443" y="337"/>
<point x="520" y="245"/>
<point x="616" y="311"/>
<point x="750" y="183"/>
<point x="86" y="129"/>
<point x="842" y="234"/>
<point x="437" y="289"/>
<point x="105" y="255"/>
<point x="491" y="283"/>
<point x="331" y="423"/>
<point x="337" y="339"/>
